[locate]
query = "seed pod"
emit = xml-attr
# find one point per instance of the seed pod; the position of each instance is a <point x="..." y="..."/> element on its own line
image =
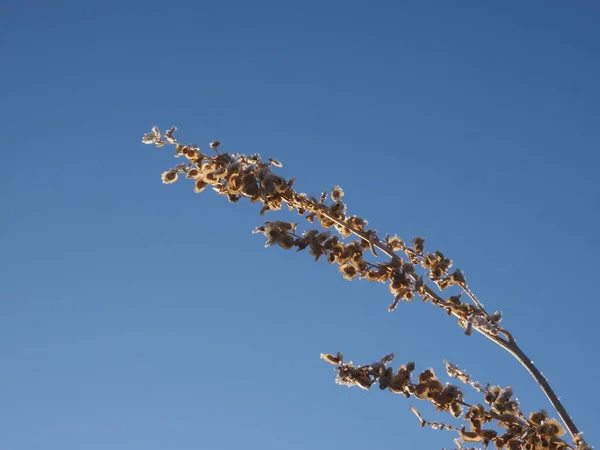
<point x="168" y="177"/>
<point x="337" y="193"/>
<point x="348" y="271"/>
<point x="286" y="242"/>
<point x="456" y="409"/>
<point x="419" y="245"/>
<point x="384" y="382"/>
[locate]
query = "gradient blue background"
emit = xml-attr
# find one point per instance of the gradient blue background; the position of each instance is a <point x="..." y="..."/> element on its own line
<point x="135" y="315"/>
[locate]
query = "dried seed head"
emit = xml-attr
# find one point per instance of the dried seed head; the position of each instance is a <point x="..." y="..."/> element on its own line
<point x="193" y="155"/>
<point x="457" y="277"/>
<point x="469" y="436"/>
<point x="287" y="226"/>
<point x="211" y="177"/>
<point x="250" y="188"/>
<point x="150" y="137"/>
<point x="193" y="173"/>
<point x="358" y="222"/>
<point x="397" y="287"/>
<point x="419" y="245"/>
<point x="348" y="271"/>
<point x="361" y="265"/>
<point x="398" y="384"/>
<point x="170" y="176"/>
<point x="553" y="428"/>
<point x="234" y="168"/>
<point x="384" y="382"/>
<point x="456" y="409"/>
<point x="199" y="185"/>
<point x="235" y="184"/>
<point x="273" y="232"/>
<point x="301" y="244"/>
<point x="395" y="243"/>
<point x="373" y="275"/>
<point x="337" y="193"/>
<point x="454" y="301"/>
<point x="214" y="144"/>
<point x="421" y="391"/>
<point x="322" y="237"/>
<point x="286" y="241"/>
<point x="426" y="376"/>
<point x="338" y="209"/>
<point x="506" y="394"/>
<point x="333" y="244"/>
<point x="435" y="386"/>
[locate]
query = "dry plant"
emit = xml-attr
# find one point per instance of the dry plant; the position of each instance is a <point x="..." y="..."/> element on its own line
<point x="409" y="271"/>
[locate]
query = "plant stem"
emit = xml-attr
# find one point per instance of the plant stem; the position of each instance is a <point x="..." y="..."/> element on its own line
<point x="512" y="347"/>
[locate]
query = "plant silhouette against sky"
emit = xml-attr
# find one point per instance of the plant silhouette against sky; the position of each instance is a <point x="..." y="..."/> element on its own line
<point x="410" y="271"/>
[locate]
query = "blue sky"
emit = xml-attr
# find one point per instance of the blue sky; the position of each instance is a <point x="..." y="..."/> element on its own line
<point x="136" y="315"/>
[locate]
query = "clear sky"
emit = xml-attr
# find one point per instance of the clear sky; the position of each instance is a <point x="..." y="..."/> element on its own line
<point x="135" y="315"/>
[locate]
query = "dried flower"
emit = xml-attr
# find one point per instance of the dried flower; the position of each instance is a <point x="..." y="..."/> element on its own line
<point x="286" y="241"/>
<point x="419" y="245"/>
<point x="199" y="185"/>
<point x="349" y="271"/>
<point x="149" y="138"/>
<point x="457" y="277"/>
<point x="192" y="154"/>
<point x="337" y="193"/>
<point x="193" y="173"/>
<point x="395" y="243"/>
<point x="552" y="427"/>
<point x="168" y="177"/>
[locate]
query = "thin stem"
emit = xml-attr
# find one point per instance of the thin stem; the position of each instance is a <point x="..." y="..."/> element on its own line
<point x="520" y="355"/>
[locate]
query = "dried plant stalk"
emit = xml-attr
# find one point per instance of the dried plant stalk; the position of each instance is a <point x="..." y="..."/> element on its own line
<point x="239" y="175"/>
